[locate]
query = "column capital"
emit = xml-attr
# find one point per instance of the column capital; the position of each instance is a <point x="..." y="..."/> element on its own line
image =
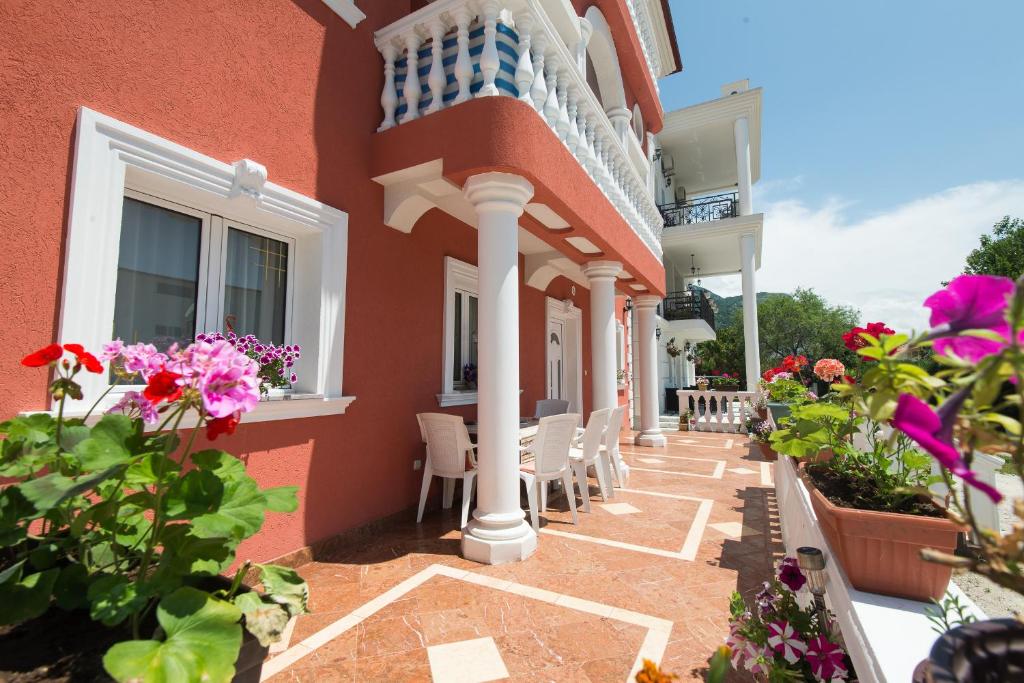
<point x="647" y="300"/>
<point x="498" y="192"/>
<point x="601" y="270"/>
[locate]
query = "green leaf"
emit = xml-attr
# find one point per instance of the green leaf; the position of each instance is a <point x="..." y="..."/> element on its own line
<point x="44" y="555"/>
<point x="35" y="428"/>
<point x="71" y="588"/>
<point x="197" y="493"/>
<point x="27" y="598"/>
<point x="185" y="553"/>
<point x="265" y="620"/>
<point x="984" y="334"/>
<point x="113" y="598"/>
<point x="239" y="515"/>
<point x="281" y="498"/>
<point x="15" y="512"/>
<point x="226" y="466"/>
<point x="12" y="573"/>
<point x="872" y="352"/>
<point x="108" y="443"/>
<point x="285" y="587"/>
<point x="203" y="638"/>
<point x="71" y="436"/>
<point x="46" y="493"/>
<point x="1011" y="425"/>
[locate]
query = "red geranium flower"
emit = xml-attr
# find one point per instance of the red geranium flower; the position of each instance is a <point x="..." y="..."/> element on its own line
<point x="793" y="363"/>
<point x="769" y="374"/>
<point x="854" y="341"/>
<point x="91" y="363"/>
<point x="44" y="356"/>
<point x="163" y="386"/>
<point x="221" y="425"/>
<point x="848" y="379"/>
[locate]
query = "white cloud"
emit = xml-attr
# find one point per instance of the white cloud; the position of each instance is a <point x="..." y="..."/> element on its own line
<point x="884" y="265"/>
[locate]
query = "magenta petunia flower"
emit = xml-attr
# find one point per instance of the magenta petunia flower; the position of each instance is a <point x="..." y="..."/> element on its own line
<point x="971" y="302"/>
<point x="933" y="431"/>
<point x="790" y="574"/>
<point x="826" y="659"/>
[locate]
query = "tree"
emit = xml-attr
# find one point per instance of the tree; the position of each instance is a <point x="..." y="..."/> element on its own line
<point x="799" y="324"/>
<point x="1001" y="253"/>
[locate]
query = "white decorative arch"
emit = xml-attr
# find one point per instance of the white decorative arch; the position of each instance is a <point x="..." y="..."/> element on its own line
<point x="601" y="50"/>
<point x="638" y="124"/>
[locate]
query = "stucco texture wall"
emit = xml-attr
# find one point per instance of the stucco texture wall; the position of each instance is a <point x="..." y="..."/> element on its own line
<point x="291" y="86"/>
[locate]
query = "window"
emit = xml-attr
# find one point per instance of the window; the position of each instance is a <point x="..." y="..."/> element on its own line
<point x="164" y="242"/>
<point x="460" y="332"/>
<point x="620" y="352"/>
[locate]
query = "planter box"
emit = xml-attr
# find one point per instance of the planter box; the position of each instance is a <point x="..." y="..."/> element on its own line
<point x="767" y="452"/>
<point x="880" y="551"/>
<point x="778" y="411"/>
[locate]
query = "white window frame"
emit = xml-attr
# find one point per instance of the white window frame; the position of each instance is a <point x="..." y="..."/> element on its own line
<point x="112" y="156"/>
<point x="347" y="10"/>
<point x="620" y="347"/>
<point x="463" y="277"/>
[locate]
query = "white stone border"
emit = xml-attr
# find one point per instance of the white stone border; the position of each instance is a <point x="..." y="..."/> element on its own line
<point x="652" y="647"/>
<point x="718" y="472"/>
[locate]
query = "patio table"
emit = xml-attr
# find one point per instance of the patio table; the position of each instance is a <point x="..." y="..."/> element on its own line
<point x="527" y="432"/>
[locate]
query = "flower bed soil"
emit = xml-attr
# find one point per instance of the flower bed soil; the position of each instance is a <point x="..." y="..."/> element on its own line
<point x="57" y="646"/>
<point x="863" y="494"/>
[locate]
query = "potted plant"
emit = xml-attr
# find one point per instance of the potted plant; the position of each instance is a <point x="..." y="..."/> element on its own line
<point x="275" y="360"/>
<point x="782" y="392"/>
<point x="671" y="348"/>
<point x="702" y="383"/>
<point x="685" y="420"/>
<point x="725" y="382"/>
<point x="760" y="434"/>
<point x="827" y="371"/>
<point x="761" y="405"/>
<point x="107" y="521"/>
<point x="774" y="638"/>
<point x="973" y="403"/>
<point x="469" y="375"/>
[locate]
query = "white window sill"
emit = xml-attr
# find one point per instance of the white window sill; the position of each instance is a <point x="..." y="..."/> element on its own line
<point x="458" y="398"/>
<point x="289" y="407"/>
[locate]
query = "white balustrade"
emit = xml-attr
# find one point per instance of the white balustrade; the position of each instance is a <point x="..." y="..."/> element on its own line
<point x="718" y="411"/>
<point x="511" y="48"/>
<point x="638" y="12"/>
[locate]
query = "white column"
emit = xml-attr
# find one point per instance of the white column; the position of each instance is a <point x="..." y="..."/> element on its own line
<point x="741" y="133"/>
<point x="498" y="531"/>
<point x="748" y="246"/>
<point x="650" y="428"/>
<point x="602" y="331"/>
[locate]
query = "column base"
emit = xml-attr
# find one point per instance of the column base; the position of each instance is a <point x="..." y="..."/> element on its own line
<point x="498" y="551"/>
<point x="652" y="439"/>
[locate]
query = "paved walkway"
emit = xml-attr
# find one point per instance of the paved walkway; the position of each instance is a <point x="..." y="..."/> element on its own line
<point x="647" y="574"/>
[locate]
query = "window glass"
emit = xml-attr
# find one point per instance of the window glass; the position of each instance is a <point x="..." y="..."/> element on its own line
<point x="471" y="355"/>
<point x="457" y="331"/>
<point x="256" y="283"/>
<point x="157" y="275"/>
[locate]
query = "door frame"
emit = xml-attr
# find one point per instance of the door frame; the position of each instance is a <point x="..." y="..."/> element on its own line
<point x="571" y="318"/>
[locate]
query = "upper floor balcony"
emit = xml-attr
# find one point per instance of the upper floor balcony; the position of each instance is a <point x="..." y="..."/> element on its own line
<point x="701" y="209"/>
<point x="689" y="305"/>
<point x="469" y="56"/>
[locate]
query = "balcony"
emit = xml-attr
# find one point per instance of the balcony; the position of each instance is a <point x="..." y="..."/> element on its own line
<point x="701" y="210"/>
<point x="463" y="51"/>
<point x="689" y="305"/>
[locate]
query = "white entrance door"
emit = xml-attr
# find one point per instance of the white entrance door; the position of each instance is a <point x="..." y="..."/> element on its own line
<point x="556" y="359"/>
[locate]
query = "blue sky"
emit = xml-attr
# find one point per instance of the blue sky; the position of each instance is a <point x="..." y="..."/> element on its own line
<point x="875" y="116"/>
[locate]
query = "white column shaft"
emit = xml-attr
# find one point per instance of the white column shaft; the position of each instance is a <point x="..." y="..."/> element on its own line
<point x="498" y="532"/>
<point x="752" y="351"/>
<point x="741" y="131"/>
<point x="650" y="428"/>
<point x="602" y="331"/>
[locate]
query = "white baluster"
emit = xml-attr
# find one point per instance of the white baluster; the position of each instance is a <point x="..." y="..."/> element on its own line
<point x="436" y="79"/>
<point x="551" y="103"/>
<point x="524" y="66"/>
<point x="582" y="151"/>
<point x="562" y="123"/>
<point x="463" y="64"/>
<point x="572" y="138"/>
<point x="539" y="89"/>
<point x="489" y="60"/>
<point x="411" y="90"/>
<point x="388" y="96"/>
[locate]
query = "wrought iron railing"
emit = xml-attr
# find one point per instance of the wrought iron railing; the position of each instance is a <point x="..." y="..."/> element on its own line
<point x="700" y="210"/>
<point x="688" y="305"/>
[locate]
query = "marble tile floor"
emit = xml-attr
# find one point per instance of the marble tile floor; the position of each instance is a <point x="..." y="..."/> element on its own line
<point x="647" y="573"/>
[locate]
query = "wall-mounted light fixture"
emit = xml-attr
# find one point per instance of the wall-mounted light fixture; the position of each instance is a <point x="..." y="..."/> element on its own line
<point x="657" y="333"/>
<point x="629" y="305"/>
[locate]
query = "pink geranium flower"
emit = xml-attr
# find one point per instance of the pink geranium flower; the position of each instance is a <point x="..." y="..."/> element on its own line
<point x="971" y="302"/>
<point x="785" y="641"/>
<point x="134" y="403"/>
<point x="227" y="379"/>
<point x="933" y="431"/>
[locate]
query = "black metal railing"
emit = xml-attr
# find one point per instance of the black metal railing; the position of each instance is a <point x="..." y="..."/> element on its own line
<point x="689" y="305"/>
<point x="701" y="210"/>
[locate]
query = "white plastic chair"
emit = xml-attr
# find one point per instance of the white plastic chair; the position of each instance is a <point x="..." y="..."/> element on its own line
<point x="551" y="463"/>
<point x="611" y="446"/>
<point x="590" y="453"/>
<point x="448" y="446"/>
<point x="551" y="406"/>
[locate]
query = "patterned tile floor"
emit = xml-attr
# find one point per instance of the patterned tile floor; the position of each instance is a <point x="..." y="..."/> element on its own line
<point x="646" y="574"/>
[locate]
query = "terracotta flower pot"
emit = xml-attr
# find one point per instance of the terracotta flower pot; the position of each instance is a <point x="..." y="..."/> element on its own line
<point x="987" y="651"/>
<point x="762" y="413"/>
<point x="767" y="452"/>
<point x="880" y="551"/>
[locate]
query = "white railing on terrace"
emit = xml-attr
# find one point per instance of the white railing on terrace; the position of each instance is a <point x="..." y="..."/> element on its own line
<point x="717" y="411"/>
<point x="463" y="49"/>
<point x="642" y="22"/>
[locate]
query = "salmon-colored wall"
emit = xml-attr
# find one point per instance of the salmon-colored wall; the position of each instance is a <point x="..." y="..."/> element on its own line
<point x="292" y="86"/>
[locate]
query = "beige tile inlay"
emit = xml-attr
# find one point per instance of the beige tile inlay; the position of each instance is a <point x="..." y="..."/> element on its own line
<point x="734" y="529"/>
<point x="741" y="470"/>
<point x="620" y="508"/>
<point x="651" y="461"/>
<point x="467" y="661"/>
